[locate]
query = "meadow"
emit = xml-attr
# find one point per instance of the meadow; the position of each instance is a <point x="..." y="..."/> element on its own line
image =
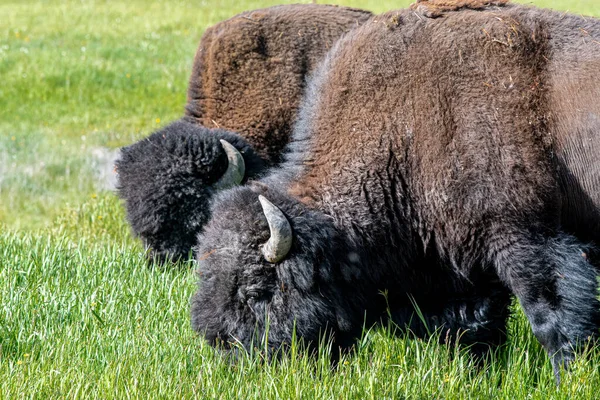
<point x="81" y="315"/>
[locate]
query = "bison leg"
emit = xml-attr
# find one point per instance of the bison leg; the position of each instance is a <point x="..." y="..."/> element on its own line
<point x="557" y="288"/>
<point x="478" y="322"/>
<point x="474" y="318"/>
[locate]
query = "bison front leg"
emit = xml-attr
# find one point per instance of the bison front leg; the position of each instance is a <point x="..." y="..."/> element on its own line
<point x="476" y="318"/>
<point x="557" y="288"/>
<point x="478" y="322"/>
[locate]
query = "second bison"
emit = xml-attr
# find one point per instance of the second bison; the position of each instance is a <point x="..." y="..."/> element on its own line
<point x="246" y="84"/>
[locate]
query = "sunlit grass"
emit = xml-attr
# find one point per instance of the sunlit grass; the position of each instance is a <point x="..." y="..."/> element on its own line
<point x="81" y="315"/>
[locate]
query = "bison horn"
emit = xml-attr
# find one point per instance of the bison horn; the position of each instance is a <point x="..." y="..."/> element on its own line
<point x="235" y="169"/>
<point x="280" y="242"/>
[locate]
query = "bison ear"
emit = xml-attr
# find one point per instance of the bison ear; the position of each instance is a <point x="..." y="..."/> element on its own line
<point x="236" y="167"/>
<point x="280" y="242"/>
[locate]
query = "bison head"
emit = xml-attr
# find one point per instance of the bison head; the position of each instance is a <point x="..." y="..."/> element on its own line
<point x="168" y="179"/>
<point x="269" y="265"/>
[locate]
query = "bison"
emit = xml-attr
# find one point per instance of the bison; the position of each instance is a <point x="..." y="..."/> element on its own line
<point x="450" y="162"/>
<point x="248" y="77"/>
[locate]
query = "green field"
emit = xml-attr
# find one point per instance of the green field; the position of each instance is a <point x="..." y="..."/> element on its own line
<point x="80" y="314"/>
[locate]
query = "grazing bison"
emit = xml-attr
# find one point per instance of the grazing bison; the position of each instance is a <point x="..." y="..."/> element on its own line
<point x="169" y="178"/>
<point x="248" y="77"/>
<point x="448" y="162"/>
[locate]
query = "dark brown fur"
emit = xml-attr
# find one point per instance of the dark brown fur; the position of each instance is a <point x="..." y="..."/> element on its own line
<point x="573" y="97"/>
<point x="460" y="106"/>
<point x="574" y="119"/>
<point x="553" y="64"/>
<point x="450" y="134"/>
<point x="249" y="72"/>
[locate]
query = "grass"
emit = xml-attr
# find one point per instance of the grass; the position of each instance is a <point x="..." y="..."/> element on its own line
<point x="80" y="314"/>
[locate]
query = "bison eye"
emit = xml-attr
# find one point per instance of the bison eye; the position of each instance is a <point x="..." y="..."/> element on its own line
<point x="252" y="294"/>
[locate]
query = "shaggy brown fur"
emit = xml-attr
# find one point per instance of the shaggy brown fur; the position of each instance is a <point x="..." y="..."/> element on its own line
<point x="435" y="8"/>
<point x="573" y="97"/>
<point x="463" y="88"/>
<point x="249" y="72"/>
<point x="559" y="59"/>
<point x="451" y="131"/>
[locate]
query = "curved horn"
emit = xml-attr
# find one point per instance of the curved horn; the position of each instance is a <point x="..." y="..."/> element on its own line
<point x="235" y="169"/>
<point x="280" y="242"/>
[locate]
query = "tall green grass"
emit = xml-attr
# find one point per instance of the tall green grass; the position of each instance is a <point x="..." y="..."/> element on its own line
<point x="81" y="316"/>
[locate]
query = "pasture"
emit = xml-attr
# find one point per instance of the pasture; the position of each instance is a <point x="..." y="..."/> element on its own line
<point x="81" y="315"/>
